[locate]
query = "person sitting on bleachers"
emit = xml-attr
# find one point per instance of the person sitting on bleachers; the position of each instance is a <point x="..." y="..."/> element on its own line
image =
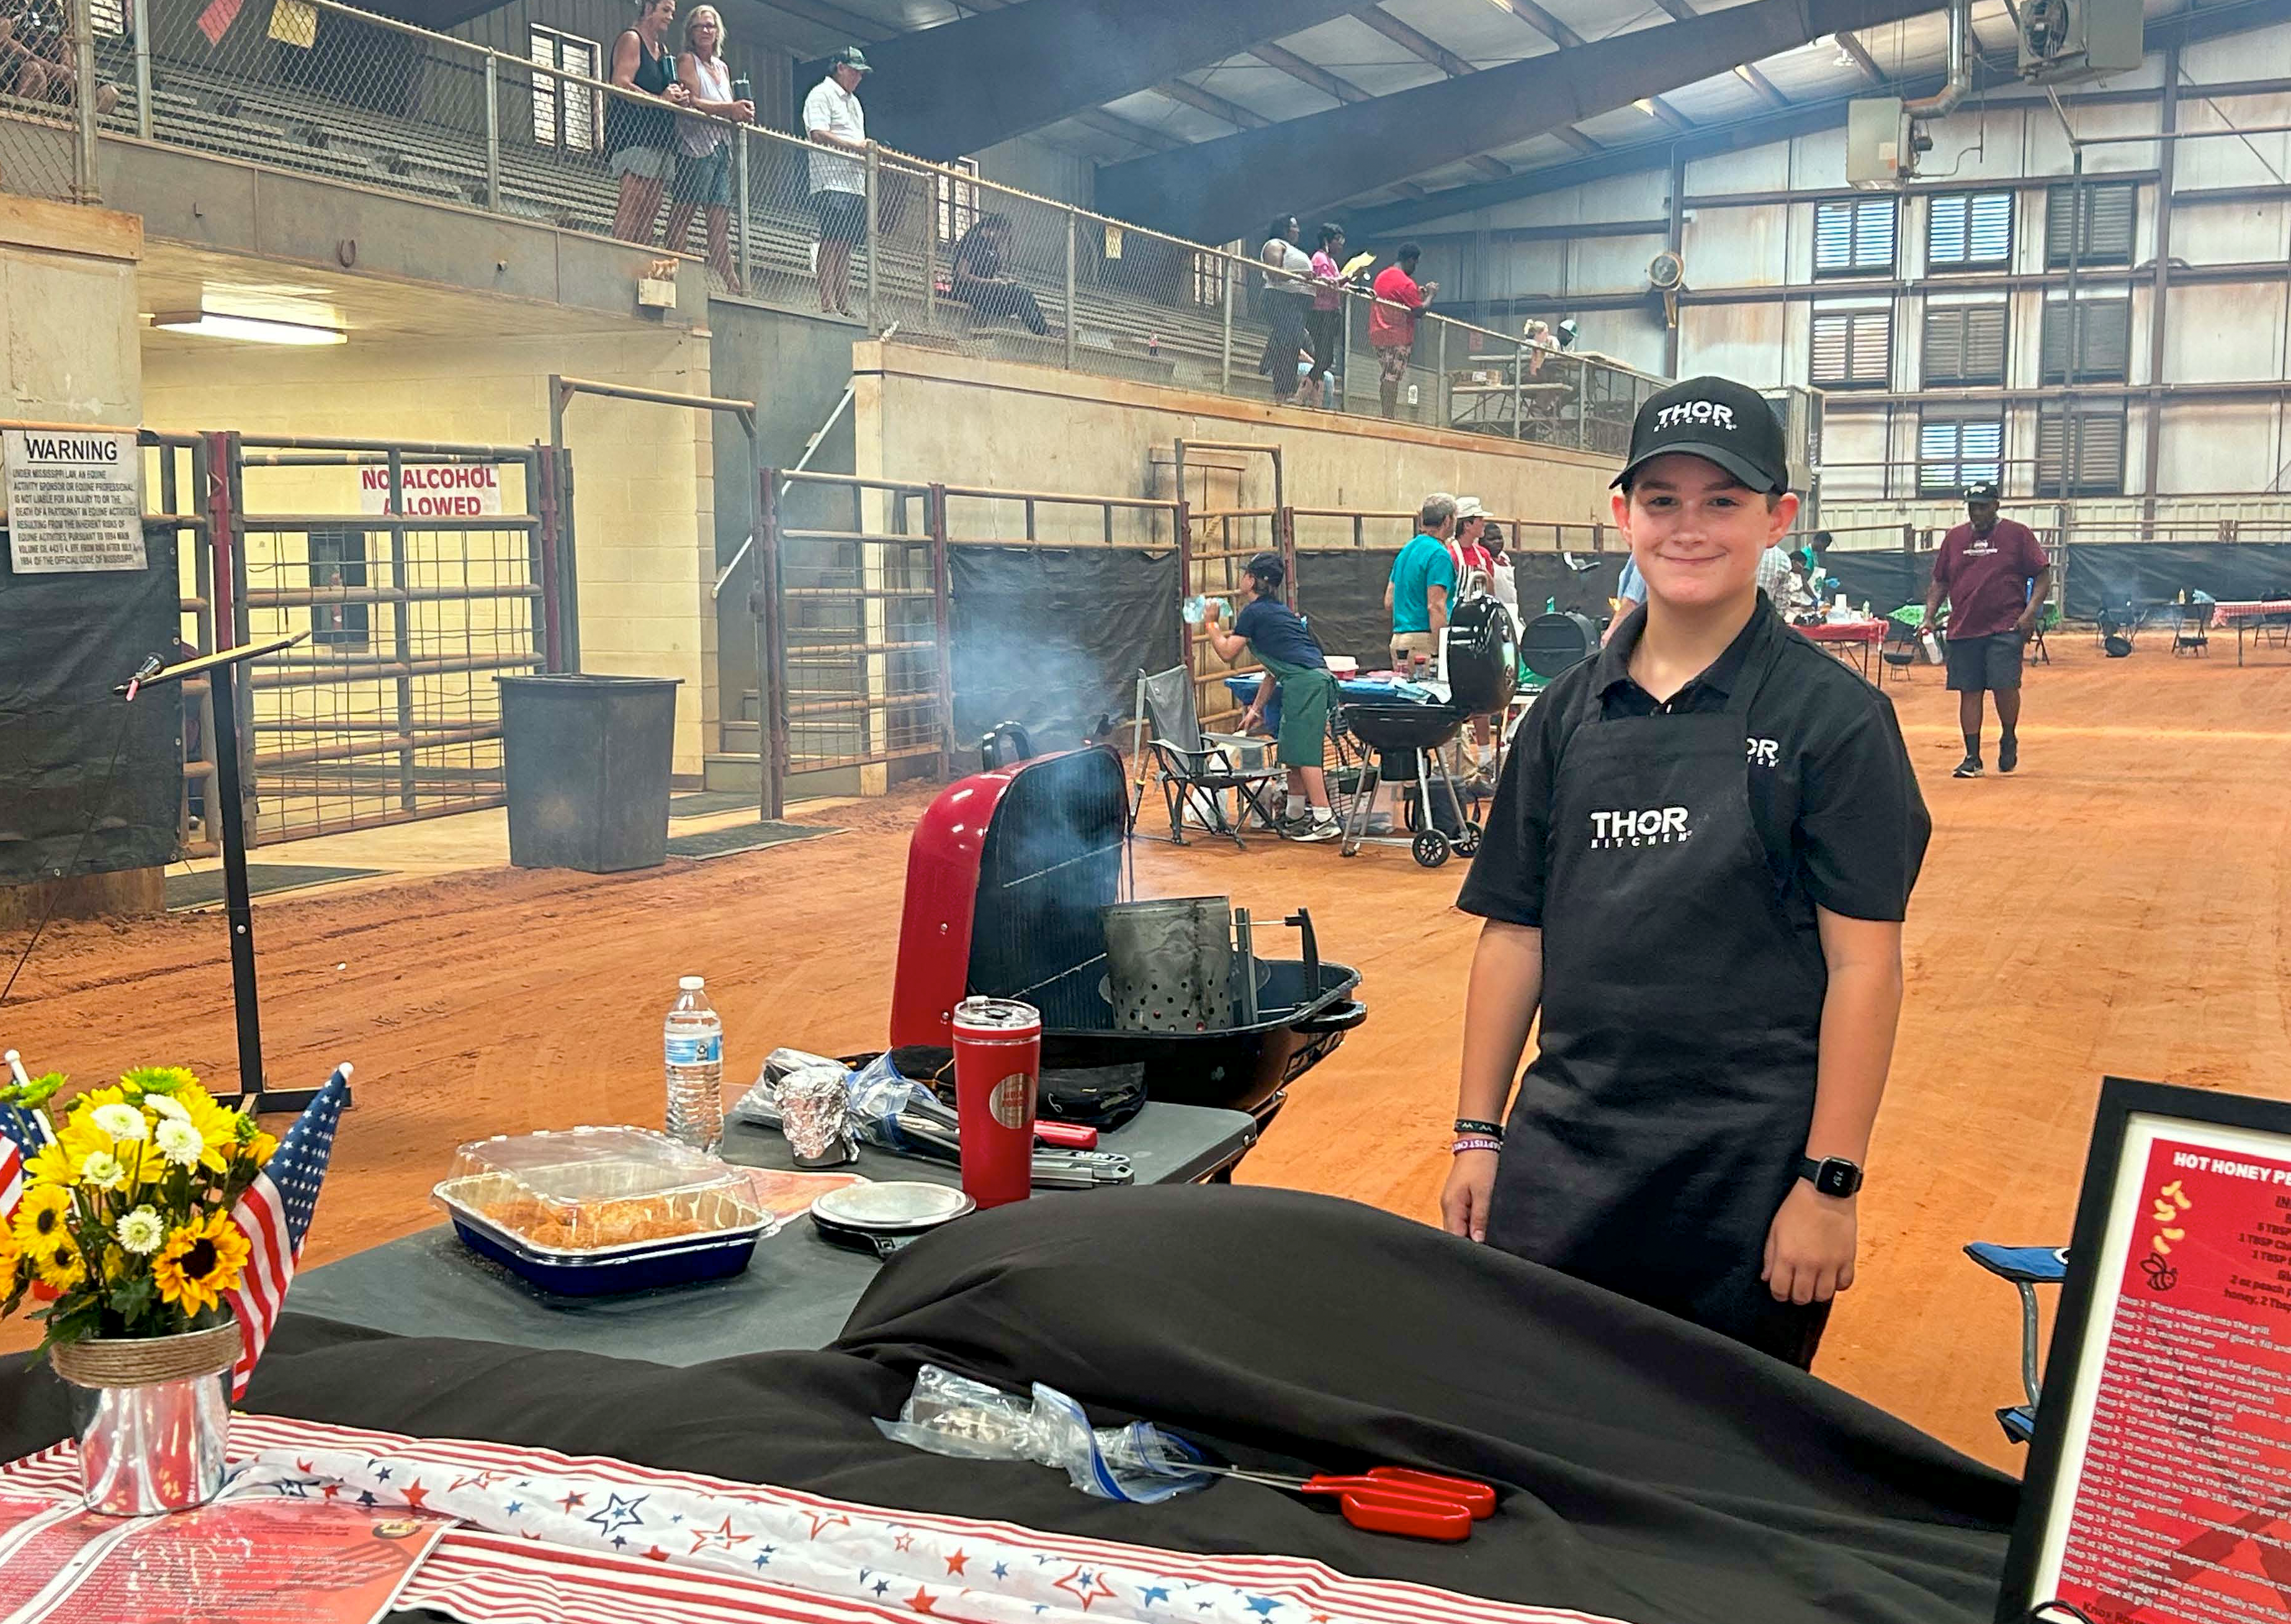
<point x="704" y="158"/>
<point x="35" y="59"/>
<point x="639" y="127"/>
<point x="977" y="277"/>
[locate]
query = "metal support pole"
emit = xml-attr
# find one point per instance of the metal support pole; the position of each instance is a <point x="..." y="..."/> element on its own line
<point x="142" y="23"/>
<point x="568" y="584"/>
<point x="1443" y="401"/>
<point x="1345" y="372"/>
<point x="87" y="181"/>
<point x="2152" y="439"/>
<point x="771" y="660"/>
<point x="401" y="579"/>
<point x="1518" y="388"/>
<point x="1674" y="239"/>
<point x="930" y="248"/>
<point x="874" y="232"/>
<point x="493" y="133"/>
<point x="942" y="596"/>
<point x="2071" y="458"/>
<point x="223" y="690"/>
<point x="1225" y="364"/>
<point x="1071" y="234"/>
<point x="745" y="246"/>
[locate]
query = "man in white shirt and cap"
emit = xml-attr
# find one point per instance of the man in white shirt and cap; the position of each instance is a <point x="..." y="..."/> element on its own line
<point x="835" y="121"/>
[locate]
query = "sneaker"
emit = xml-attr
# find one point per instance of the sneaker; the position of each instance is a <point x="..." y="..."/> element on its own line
<point x="2008" y="755"/>
<point x="1970" y="768"/>
<point x="1379" y="822"/>
<point x="1312" y="829"/>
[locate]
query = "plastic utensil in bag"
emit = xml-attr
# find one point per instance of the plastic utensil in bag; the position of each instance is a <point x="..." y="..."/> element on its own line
<point x="952" y="1415"/>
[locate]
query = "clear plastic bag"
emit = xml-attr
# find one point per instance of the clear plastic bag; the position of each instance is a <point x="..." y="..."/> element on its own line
<point x="952" y="1415"/>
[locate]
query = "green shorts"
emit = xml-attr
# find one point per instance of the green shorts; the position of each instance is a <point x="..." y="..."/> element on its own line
<point x="1305" y="697"/>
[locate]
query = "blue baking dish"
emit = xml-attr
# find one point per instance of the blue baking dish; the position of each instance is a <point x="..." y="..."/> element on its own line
<point x="644" y="1268"/>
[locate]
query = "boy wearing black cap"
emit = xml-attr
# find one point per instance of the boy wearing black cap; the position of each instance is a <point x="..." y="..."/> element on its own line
<point x="1695" y="873"/>
<point x="1295" y="669"/>
<point x="1994" y="573"/>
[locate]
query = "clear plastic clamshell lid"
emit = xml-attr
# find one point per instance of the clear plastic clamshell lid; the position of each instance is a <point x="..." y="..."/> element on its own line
<point x="591" y="1187"/>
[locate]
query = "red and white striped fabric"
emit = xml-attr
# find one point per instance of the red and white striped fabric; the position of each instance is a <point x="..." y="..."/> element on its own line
<point x="262" y="1284"/>
<point x="12" y="1177"/>
<point x="2227" y="614"/>
<point x="533" y="1548"/>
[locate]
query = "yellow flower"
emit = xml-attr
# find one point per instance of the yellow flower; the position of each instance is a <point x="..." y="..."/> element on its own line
<point x="11" y="1257"/>
<point x="217" y="1127"/>
<point x="261" y="1145"/>
<point x="40" y="1218"/>
<point x="53" y="1165"/>
<point x="58" y="1262"/>
<point x="200" y="1262"/>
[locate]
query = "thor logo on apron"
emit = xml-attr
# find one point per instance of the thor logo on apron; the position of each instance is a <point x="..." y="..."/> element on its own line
<point x="1648" y="826"/>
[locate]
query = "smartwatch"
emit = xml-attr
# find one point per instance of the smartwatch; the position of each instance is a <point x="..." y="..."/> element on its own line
<point x="1832" y="1176"/>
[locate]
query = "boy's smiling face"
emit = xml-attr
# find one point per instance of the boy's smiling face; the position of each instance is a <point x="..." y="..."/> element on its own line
<point x="1696" y="531"/>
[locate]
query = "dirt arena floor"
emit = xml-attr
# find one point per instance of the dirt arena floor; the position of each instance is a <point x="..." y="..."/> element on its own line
<point x="2119" y="906"/>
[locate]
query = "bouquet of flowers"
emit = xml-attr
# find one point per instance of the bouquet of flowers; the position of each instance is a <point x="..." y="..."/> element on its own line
<point x="124" y="1227"/>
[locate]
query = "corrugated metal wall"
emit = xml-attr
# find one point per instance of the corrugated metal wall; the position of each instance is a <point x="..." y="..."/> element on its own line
<point x="768" y="66"/>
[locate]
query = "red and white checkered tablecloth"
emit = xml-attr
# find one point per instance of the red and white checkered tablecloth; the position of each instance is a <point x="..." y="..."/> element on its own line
<point x="2227" y="614"/>
<point x="551" y="1539"/>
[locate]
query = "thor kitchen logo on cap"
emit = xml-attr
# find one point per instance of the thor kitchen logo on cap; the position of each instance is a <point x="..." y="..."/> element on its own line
<point x="1649" y="826"/>
<point x="1694" y="412"/>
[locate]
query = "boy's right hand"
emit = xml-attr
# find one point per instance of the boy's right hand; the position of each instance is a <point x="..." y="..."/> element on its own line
<point x="1464" y="1201"/>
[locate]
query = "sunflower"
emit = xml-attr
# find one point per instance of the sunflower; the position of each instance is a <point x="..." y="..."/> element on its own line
<point x="40" y="1218"/>
<point x="12" y="1257"/>
<point x="200" y="1262"/>
<point x="58" y="1260"/>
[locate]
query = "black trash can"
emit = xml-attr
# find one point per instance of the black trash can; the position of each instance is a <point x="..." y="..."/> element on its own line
<point x="587" y="761"/>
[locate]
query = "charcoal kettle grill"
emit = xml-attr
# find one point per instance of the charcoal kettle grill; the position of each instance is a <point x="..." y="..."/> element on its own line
<point x="1008" y="873"/>
<point x="1406" y="741"/>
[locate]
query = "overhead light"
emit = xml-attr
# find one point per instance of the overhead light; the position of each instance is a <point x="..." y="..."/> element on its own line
<point x="1742" y="72"/>
<point x="247" y="329"/>
<point x="1646" y="104"/>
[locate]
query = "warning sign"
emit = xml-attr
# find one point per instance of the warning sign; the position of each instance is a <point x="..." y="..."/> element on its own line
<point x="75" y="501"/>
<point x="434" y="490"/>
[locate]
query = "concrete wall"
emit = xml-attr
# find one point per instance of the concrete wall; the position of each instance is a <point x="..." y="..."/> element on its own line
<point x="1752" y="294"/>
<point x="644" y="476"/>
<point x="67" y="349"/>
<point x="924" y="415"/>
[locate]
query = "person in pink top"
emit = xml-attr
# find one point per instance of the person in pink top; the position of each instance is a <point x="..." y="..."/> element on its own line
<point x="1392" y="319"/>
<point x="1324" y="322"/>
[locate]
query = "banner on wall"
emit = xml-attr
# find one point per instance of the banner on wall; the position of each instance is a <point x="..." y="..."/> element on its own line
<point x="435" y="490"/>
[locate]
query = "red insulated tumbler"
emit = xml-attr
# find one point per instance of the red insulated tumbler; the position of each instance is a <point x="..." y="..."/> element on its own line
<point x="997" y="1058"/>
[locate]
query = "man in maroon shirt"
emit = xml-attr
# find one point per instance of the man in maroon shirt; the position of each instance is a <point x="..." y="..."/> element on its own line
<point x="1994" y="574"/>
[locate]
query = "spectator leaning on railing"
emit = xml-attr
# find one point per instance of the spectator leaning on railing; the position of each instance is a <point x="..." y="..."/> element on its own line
<point x="1287" y="292"/>
<point x="640" y="121"/>
<point x="1400" y="300"/>
<point x="704" y="158"/>
<point x="1324" y="324"/>
<point x="35" y="54"/>
<point x="834" y="118"/>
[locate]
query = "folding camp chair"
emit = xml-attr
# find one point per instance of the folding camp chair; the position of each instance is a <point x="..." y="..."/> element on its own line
<point x="2047" y="619"/>
<point x="1903" y="648"/>
<point x="2026" y="1267"/>
<point x="2193" y="633"/>
<point x="1197" y="768"/>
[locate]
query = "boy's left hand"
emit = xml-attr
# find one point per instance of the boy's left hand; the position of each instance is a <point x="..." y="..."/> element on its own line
<point x="1810" y="1247"/>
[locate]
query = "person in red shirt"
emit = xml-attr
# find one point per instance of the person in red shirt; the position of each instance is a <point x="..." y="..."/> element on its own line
<point x="1392" y="321"/>
<point x="1994" y="574"/>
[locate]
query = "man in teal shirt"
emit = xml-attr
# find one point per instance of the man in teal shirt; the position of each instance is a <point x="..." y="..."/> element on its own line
<point x="1422" y="583"/>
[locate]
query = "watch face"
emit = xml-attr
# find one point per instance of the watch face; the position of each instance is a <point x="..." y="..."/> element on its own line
<point x="1838" y="1177"/>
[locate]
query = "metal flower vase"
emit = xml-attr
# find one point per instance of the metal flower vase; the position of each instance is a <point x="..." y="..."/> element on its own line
<point x="151" y="1417"/>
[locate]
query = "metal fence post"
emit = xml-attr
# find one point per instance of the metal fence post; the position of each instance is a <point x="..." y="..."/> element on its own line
<point x="1518" y="389"/>
<point x="930" y="245"/>
<point x="771" y="651"/>
<point x="1442" y="404"/>
<point x="1225" y="363"/>
<point x="493" y="133"/>
<point x="142" y="23"/>
<point x="941" y="595"/>
<point x="874" y="231"/>
<point x="1344" y="368"/>
<point x="1582" y="407"/>
<point x="742" y="247"/>
<point x="87" y="182"/>
<point x="1073" y="235"/>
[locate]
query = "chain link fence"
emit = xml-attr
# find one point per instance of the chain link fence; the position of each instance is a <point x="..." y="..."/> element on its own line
<point x="957" y="262"/>
<point x="47" y="120"/>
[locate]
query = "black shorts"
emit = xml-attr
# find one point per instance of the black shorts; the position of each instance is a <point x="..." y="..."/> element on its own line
<point x="842" y="216"/>
<point x="1985" y="663"/>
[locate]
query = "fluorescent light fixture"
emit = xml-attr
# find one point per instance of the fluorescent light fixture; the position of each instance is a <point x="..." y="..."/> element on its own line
<point x="1742" y="72"/>
<point x="247" y="329"/>
<point x="1646" y="104"/>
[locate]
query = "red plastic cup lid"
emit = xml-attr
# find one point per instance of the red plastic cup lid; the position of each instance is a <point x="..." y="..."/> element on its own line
<point x="988" y="1017"/>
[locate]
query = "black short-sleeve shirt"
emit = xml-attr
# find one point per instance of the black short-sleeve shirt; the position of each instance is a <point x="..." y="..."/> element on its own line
<point x="1832" y="794"/>
<point x="1276" y="632"/>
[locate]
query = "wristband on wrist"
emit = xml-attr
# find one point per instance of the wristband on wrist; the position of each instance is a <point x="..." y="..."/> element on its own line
<point x="1486" y="1131"/>
<point x="1474" y="1141"/>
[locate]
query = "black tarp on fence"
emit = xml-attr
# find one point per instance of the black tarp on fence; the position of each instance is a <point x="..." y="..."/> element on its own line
<point x="2113" y="573"/>
<point x="65" y="641"/>
<point x="1049" y="637"/>
<point x="1884" y="581"/>
<point x="1340" y="592"/>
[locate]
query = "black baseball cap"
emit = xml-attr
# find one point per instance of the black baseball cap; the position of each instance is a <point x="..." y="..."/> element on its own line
<point x="1719" y="420"/>
<point x="851" y="56"/>
<point x="1982" y="490"/>
<point x="1268" y="567"/>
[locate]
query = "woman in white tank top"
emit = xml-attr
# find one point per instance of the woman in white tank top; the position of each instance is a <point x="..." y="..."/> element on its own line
<point x="704" y="146"/>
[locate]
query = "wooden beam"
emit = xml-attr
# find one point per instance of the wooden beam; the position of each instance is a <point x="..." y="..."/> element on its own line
<point x="1310" y="73"/>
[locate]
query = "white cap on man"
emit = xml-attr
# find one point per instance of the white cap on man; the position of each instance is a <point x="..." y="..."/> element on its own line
<point x="1468" y="507"/>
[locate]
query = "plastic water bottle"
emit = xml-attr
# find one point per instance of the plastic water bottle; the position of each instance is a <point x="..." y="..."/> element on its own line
<point x="694" y="1040"/>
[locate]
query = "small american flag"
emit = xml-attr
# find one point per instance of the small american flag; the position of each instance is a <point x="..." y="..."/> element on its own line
<point x="19" y="1134"/>
<point x="275" y="1212"/>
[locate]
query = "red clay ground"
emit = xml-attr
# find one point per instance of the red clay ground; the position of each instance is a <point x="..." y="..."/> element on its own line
<point x="2120" y="906"/>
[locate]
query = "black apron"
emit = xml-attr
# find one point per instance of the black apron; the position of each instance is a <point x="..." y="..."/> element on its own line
<point x="1661" y="1126"/>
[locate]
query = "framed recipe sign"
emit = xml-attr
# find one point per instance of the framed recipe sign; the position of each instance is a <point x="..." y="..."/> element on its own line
<point x="2158" y="1488"/>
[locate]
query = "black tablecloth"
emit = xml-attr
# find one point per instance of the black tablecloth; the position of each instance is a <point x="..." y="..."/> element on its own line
<point x="1652" y="1472"/>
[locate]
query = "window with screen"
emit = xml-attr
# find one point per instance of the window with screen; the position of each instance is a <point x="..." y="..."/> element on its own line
<point x="958" y="199"/>
<point x="1963" y="344"/>
<point x="2080" y="449"/>
<point x="2102" y="235"/>
<point x="1209" y="279"/>
<point x="1954" y="449"/>
<point x="1854" y="236"/>
<point x="1969" y="230"/>
<point x="563" y="113"/>
<point x="1852" y="349"/>
<point x="2103" y="340"/>
<point x="338" y="560"/>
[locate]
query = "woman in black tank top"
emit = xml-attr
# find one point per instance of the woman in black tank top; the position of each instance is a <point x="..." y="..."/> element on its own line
<point x="639" y="127"/>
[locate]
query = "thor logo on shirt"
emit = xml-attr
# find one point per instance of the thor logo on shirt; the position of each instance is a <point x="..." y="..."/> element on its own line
<point x="1651" y="826"/>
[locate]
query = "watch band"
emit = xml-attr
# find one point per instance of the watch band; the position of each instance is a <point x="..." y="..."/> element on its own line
<point x="1832" y="1176"/>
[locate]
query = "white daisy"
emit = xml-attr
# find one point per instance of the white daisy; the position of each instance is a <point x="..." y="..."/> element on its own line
<point x="167" y="1104"/>
<point x="179" y="1142"/>
<point x="103" y="1170"/>
<point x="143" y="1231"/>
<point x="120" y="1122"/>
